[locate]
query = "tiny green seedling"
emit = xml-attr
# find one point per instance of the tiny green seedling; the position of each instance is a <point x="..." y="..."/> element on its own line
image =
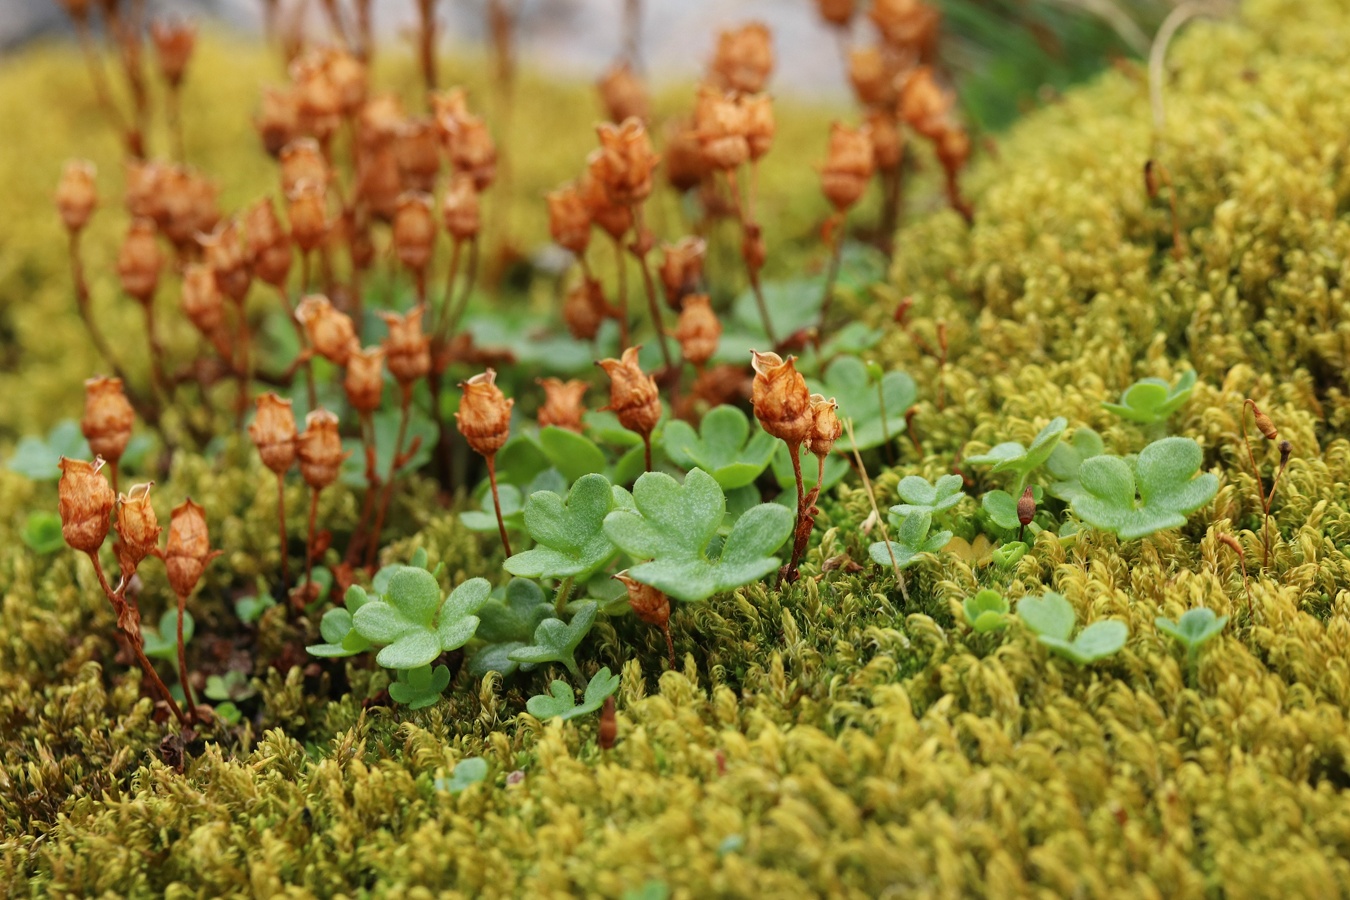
<point x="561" y="702"/>
<point x="1194" y="629"/>
<point x="570" y="534"/>
<point x="414" y="623"/>
<point x="876" y="408"/>
<point x="986" y="611"/>
<point x="920" y="495"/>
<point x="1006" y="555"/>
<point x="1151" y="401"/>
<point x="1066" y="460"/>
<point x="1157" y="492"/>
<point x="673" y="526"/>
<point x="1011" y="456"/>
<point x="912" y="539"/>
<point x="507" y="624"/>
<point x="723" y="447"/>
<point x="468" y="772"/>
<point x="233" y="685"/>
<point x="555" y="641"/>
<point x="336" y="629"/>
<point x="1052" y="619"/>
<point x="163" y="643"/>
<point x="419" y="687"/>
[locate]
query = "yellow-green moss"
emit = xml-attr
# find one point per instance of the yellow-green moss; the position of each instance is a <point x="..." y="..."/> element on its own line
<point x="834" y="739"/>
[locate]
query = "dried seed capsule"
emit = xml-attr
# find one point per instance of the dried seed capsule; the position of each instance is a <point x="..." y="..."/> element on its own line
<point x="137" y="528"/>
<point x="609" y="725"/>
<point x="76" y="194"/>
<point x="825" y="426"/>
<point x="1263" y="423"/>
<point x="307" y="208"/>
<point x="407" y="349"/>
<point x="872" y="76"/>
<point x="848" y="165"/>
<point x="108" y="418"/>
<point x="759" y="124"/>
<point x="418" y="151"/>
<point x="349" y="79"/>
<point x="302" y="160"/>
<point x="908" y="25"/>
<point x="278" y="122"/>
<point x="1026" y="507"/>
<point x="633" y="395"/>
<point x="1286" y="448"/>
<point x="139" y="261"/>
<point x="682" y="269"/>
<point x="569" y="219"/>
<point x="460" y="208"/>
<point x="720" y="123"/>
<point x="381" y="117"/>
<point x="378" y="182"/>
<point x="484" y="416"/>
<point x="201" y="301"/>
<point x="320" y="449"/>
<point x="624" y="162"/>
<point x="330" y="331"/>
<point x="269" y="246"/>
<point x="585" y="309"/>
<point x="414" y="230"/>
<point x="174" y="42"/>
<point x="698" y="329"/>
<point x="623" y="93"/>
<point x="562" y="403"/>
<point x="317" y="98"/>
<point x="648" y="604"/>
<point x="836" y="12"/>
<point x="615" y="219"/>
<point x="273" y="432"/>
<point x="780" y="398"/>
<point x="744" y="58"/>
<point x="188" y="551"/>
<point x="364" y="382"/>
<point x="924" y="104"/>
<point x="472" y="151"/>
<point x="684" y="163"/>
<point x="85" y="502"/>
<point x="953" y="149"/>
<point x="888" y="145"/>
<point x="225" y="254"/>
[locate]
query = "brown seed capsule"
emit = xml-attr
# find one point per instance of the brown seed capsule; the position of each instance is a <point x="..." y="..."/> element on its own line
<point x="85" y="501"/>
<point x="651" y="606"/>
<point x="1286" y="448"/>
<point x="744" y="58"/>
<point x="330" y="331"/>
<point x="144" y="198"/>
<point x="682" y="269"/>
<point x="364" y="382"/>
<point x="623" y="93"/>
<point x="848" y="165"/>
<point x="633" y="395"/>
<point x="269" y="246"/>
<point x="316" y="95"/>
<point x="825" y="426"/>
<point x="460" y="208"/>
<point x="278" y="122"/>
<point x="139" y="261"/>
<point x="585" y="309"/>
<point x="380" y="119"/>
<point x="609" y="725"/>
<point x="418" y="150"/>
<point x="684" y="163"/>
<point x="108" y="418"/>
<point x="174" y="42"/>
<point x="188" y="551"/>
<point x="1263" y="423"/>
<point x="924" y="104"/>
<point x="414" y="230"/>
<point x="888" y="144"/>
<point x="137" y="528"/>
<point x="484" y="416"/>
<point x="624" y="162"/>
<point x="302" y="160"/>
<point x="349" y="79"/>
<point x="836" y="12"/>
<point x="407" y="349"/>
<point x="759" y="124"/>
<point x="613" y="218"/>
<point x="562" y="403"/>
<point x="872" y="75"/>
<point x="1026" y="507"/>
<point x="472" y="150"/>
<point x="698" y="329"/>
<point x="76" y="194"/>
<point x="379" y="183"/>
<point x="569" y="219"/>
<point x="273" y="432"/>
<point x="201" y="301"/>
<point x="307" y="208"/>
<point x="953" y="149"/>
<point x="450" y="108"/>
<point x="320" y="449"/>
<point x="225" y="254"/>
<point x="780" y="398"/>
<point x="720" y="123"/>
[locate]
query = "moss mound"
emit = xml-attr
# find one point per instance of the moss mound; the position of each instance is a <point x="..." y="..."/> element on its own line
<point x="835" y="738"/>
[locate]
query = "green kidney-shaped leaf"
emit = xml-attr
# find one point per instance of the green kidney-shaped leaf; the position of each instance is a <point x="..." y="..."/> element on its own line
<point x="723" y="447"/>
<point x="516" y="615"/>
<point x="570" y="534"/>
<point x="573" y="455"/>
<point x="1194" y="628"/>
<point x="920" y="495"/>
<point x="560" y="701"/>
<point x="556" y="641"/>
<point x="1049" y="615"/>
<point x="1097" y="641"/>
<point x="1165" y="476"/>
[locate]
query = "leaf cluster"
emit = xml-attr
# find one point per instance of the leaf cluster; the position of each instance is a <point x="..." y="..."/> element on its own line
<point x="1052" y="619"/>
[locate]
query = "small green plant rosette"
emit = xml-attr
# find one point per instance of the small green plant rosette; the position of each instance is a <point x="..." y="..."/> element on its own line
<point x="1151" y="401"/>
<point x="1194" y="629"/>
<point x="672" y="525"/>
<point x="920" y="495"/>
<point x="413" y="622"/>
<point x="336" y="628"/>
<point x="1068" y="458"/>
<point x="912" y="539"/>
<point x="876" y="408"/>
<point x="419" y="687"/>
<point x="986" y="611"/>
<point x="561" y="703"/>
<point x="1011" y="456"/>
<point x="723" y="447"/>
<point x="1006" y="555"/>
<point x="1051" y="618"/>
<point x="570" y="533"/>
<point x="163" y="643"/>
<point x="556" y="641"/>
<point x="1159" y="491"/>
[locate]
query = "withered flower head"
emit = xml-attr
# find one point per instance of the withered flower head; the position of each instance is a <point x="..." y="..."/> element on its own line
<point x="624" y="162"/>
<point x="649" y="604"/>
<point x="887" y="143"/>
<point x="364" y="382"/>
<point x="139" y="261"/>
<point x="569" y="219"/>
<point x="684" y="163"/>
<point x="406" y="348"/>
<point x="316" y="95"/>
<point x="450" y="107"/>
<point x="461" y="209"/>
<point x="414" y="230"/>
<point x="623" y="93"/>
<point x="378" y="182"/>
<point x="484" y="416"/>
<point x="144" y="199"/>
<point x="953" y="149"/>
<point x="307" y="208"/>
<point x="330" y="331"/>
<point x="137" y="528"/>
<point x="188" y="551"/>
<point x="302" y="160"/>
<point x="759" y="124"/>
<point x="273" y="432"/>
<point x="825" y="426"/>
<point x="278" y="122"/>
<point x="85" y="501"/>
<point x="909" y="25"/>
<point x="698" y="329"/>
<point x="836" y="12"/>
<point x="562" y="403"/>
<point x="722" y="129"/>
<point x="418" y="151"/>
<point x="585" y="309"/>
<point x="682" y="269"/>
<point x="108" y="418"/>
<point x="349" y="79"/>
<point x="744" y="58"/>
<point x="924" y="104"/>
<point x="320" y="449"/>
<point x="174" y="42"/>
<point x="76" y="194"/>
<point x="225" y="254"/>
<point x="633" y="396"/>
<point x="202" y="302"/>
<point x="872" y="75"/>
<point x="848" y="166"/>
<point x="473" y="151"/>
<point x="613" y="218"/>
<point x="269" y="245"/>
<point x="780" y="398"/>
<point x="381" y="117"/>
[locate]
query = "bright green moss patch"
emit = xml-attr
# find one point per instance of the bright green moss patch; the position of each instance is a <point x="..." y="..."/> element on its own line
<point x="831" y="738"/>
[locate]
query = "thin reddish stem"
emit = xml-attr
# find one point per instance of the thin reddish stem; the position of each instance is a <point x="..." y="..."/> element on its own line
<point x="497" y="503"/>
